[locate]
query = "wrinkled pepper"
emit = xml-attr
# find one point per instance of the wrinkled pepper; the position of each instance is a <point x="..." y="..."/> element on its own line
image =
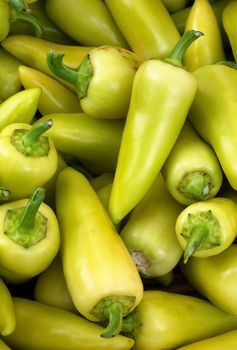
<point x="89" y="23"/>
<point x="89" y="139"/>
<point x="207" y="228"/>
<point x="152" y="34"/>
<point x="165" y="320"/>
<point x="229" y="23"/>
<point x="190" y="179"/>
<point x="209" y="49"/>
<point x="20" y="107"/>
<point x="7" y="312"/>
<point x="29" y="157"/>
<point x="103" y="80"/>
<point x="149" y="233"/>
<point x="227" y="340"/>
<point x="29" y="239"/>
<point x="213" y="113"/>
<point x="51" y="328"/>
<point x="32" y="52"/>
<point x="55" y="97"/>
<point x="214" y="277"/>
<point x="101" y="277"/>
<point x="162" y="94"/>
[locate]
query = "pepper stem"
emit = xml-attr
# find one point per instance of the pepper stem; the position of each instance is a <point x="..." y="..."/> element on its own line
<point x="177" y="54"/>
<point x="114" y="312"/>
<point x="19" y="5"/>
<point x="198" y="234"/>
<point x="32" y="135"/>
<point x="196" y="185"/>
<point x="230" y="64"/>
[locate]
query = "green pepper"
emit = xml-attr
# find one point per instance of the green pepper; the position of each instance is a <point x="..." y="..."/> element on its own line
<point x="207" y="228"/>
<point x="32" y="52"/>
<point x="49" y="328"/>
<point x="209" y="49"/>
<point x="149" y="233"/>
<point x="101" y="277"/>
<point x="50" y="287"/>
<point x="213" y="114"/>
<point x="7" y="312"/>
<point x="29" y="237"/>
<point x="55" y="97"/>
<point x="89" y="23"/>
<point x="28" y="157"/>
<point x="214" y="277"/>
<point x="162" y="94"/>
<point x="105" y="71"/>
<point x="226" y="340"/>
<point x="229" y="23"/>
<point x="89" y="139"/>
<point x="166" y="320"/>
<point x="20" y="107"/>
<point x="152" y="34"/>
<point x="190" y="179"/>
<point x="10" y="82"/>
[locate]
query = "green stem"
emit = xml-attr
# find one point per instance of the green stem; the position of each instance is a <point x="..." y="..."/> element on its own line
<point x="32" y="136"/>
<point x="19" y="5"/>
<point x="198" y="234"/>
<point x="114" y="312"/>
<point x="176" y="56"/>
<point x="34" y="21"/>
<point x="230" y="64"/>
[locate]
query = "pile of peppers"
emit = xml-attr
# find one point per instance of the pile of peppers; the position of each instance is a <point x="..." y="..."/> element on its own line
<point x="118" y="184"/>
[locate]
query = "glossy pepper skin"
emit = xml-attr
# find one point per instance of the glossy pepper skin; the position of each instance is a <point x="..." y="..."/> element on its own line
<point x="29" y="239"/>
<point x="165" y="320"/>
<point x="214" y="277"/>
<point x="29" y="158"/>
<point x="89" y="23"/>
<point x="90" y="139"/>
<point x="100" y="274"/>
<point x="190" y="179"/>
<point x="213" y="114"/>
<point x="152" y="33"/>
<point x="61" y="330"/>
<point x="229" y="23"/>
<point x="227" y="340"/>
<point x="20" y="107"/>
<point x="160" y="89"/>
<point x="55" y="97"/>
<point x="103" y="80"/>
<point x="7" y="312"/>
<point x="209" y="49"/>
<point x="32" y="52"/>
<point x="149" y="233"/>
<point x="207" y="228"/>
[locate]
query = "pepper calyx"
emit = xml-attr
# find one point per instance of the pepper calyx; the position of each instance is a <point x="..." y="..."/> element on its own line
<point x="195" y="185"/>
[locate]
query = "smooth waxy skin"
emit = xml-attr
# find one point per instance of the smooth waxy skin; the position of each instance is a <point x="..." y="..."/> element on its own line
<point x="229" y="24"/>
<point x="7" y="312"/>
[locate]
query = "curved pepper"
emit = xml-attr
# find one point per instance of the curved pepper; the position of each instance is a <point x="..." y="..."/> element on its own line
<point x="152" y="34"/>
<point x="28" y="158"/>
<point x="106" y="71"/>
<point x="55" y="97"/>
<point x="10" y="82"/>
<point x="32" y="52"/>
<point x="52" y="328"/>
<point x="162" y="94"/>
<point x="226" y="340"/>
<point x="7" y="312"/>
<point x="100" y="274"/>
<point x="190" y="179"/>
<point x="20" y="107"/>
<point x="89" y="139"/>
<point x="165" y="320"/>
<point x="213" y="114"/>
<point x="207" y="228"/>
<point x="29" y="237"/>
<point x="89" y="23"/>
<point x="229" y="23"/>
<point x="209" y="49"/>
<point x="50" y="287"/>
<point x="149" y="233"/>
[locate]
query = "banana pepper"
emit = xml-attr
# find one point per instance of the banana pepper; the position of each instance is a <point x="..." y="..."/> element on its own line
<point x="7" y="312"/>
<point x="166" y="320"/>
<point x="101" y="277"/>
<point x="162" y="94"/>
<point x="229" y="23"/>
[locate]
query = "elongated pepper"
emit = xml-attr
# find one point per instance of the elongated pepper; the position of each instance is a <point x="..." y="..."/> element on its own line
<point x="162" y="94"/>
<point x="229" y="23"/>
<point x="101" y="277"/>
<point x="7" y="312"/>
